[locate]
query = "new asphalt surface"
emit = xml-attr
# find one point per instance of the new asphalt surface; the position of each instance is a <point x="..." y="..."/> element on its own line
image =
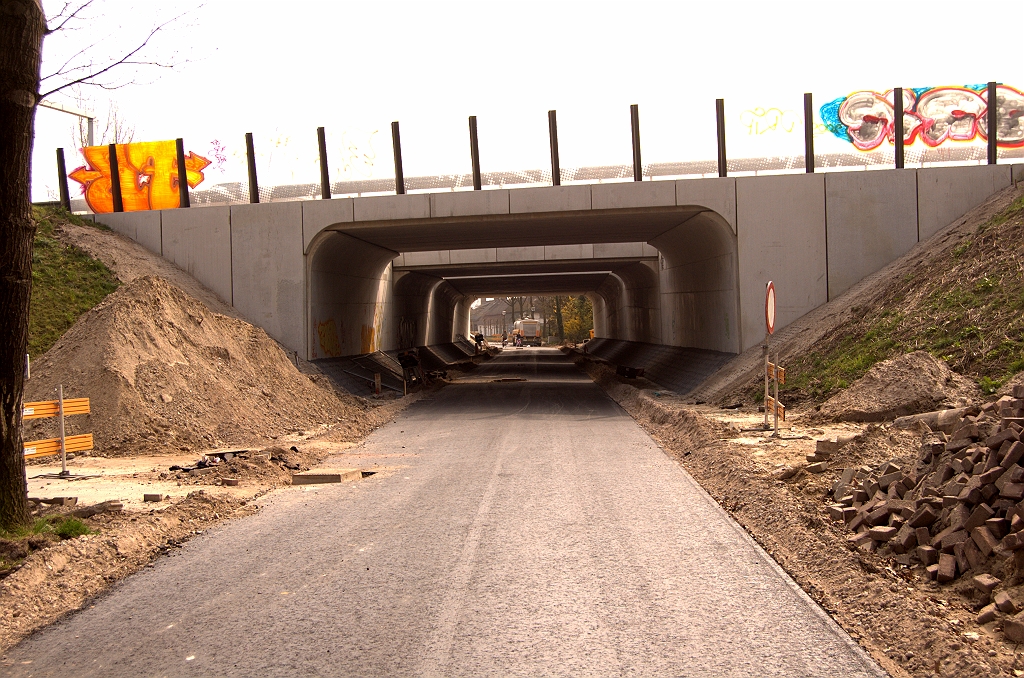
<point x="531" y="528"/>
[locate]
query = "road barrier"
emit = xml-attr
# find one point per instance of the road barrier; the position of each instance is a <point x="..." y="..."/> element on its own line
<point x="63" y="443"/>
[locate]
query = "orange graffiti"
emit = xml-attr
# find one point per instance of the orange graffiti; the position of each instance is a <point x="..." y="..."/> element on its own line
<point x="368" y="335"/>
<point x="148" y="174"/>
<point x="329" y="339"/>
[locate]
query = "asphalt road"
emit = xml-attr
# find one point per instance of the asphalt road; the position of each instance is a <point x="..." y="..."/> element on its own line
<point x="533" y="529"/>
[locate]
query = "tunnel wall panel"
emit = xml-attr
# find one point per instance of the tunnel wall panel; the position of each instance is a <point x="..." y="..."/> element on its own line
<point x="268" y="277"/>
<point x="199" y="242"/>
<point x="872" y="220"/>
<point x="319" y="214"/>
<point x="780" y="237"/>
<point x="351" y="303"/>
<point x="944" y="194"/>
<point x="698" y="285"/>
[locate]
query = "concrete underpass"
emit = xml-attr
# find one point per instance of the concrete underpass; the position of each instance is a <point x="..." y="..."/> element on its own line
<point x="678" y="264"/>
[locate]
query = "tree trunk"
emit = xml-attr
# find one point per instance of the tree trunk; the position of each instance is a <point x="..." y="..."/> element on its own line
<point x="558" y="319"/>
<point x="22" y="26"/>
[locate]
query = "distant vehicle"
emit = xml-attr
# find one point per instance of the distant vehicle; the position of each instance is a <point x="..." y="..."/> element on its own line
<point x="529" y="330"/>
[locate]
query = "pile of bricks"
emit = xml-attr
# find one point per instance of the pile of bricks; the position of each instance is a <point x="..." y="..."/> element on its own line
<point x="958" y="510"/>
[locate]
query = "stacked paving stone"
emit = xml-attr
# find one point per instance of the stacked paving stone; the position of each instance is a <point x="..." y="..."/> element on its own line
<point x="961" y="504"/>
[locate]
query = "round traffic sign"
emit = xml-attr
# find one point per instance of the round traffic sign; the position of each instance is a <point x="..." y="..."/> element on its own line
<point x="769" y="307"/>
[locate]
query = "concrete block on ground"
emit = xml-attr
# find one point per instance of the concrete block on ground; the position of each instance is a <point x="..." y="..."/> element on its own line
<point x="987" y="614"/>
<point x="1004" y="603"/>
<point x="985" y="583"/>
<point x="947" y="568"/>
<point x="152" y="497"/>
<point x="340" y="476"/>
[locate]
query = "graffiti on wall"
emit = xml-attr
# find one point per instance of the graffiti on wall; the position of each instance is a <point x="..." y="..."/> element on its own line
<point x="935" y="115"/>
<point x="330" y="346"/>
<point x="148" y="174"/>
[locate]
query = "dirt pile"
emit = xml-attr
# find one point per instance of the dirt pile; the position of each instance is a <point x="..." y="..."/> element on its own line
<point x="907" y="384"/>
<point x="163" y="371"/>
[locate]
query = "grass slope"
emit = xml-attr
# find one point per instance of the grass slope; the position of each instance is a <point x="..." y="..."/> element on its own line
<point x="964" y="305"/>
<point x="66" y="282"/>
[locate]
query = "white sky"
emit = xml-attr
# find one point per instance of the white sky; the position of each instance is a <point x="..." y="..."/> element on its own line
<point x="280" y="69"/>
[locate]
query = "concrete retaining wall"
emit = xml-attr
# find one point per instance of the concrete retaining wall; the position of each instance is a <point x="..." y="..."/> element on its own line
<point x="872" y="220"/>
<point x="199" y="242"/>
<point x="780" y="237"/>
<point x="349" y="297"/>
<point x="814" y="235"/>
<point x="269" y="277"/>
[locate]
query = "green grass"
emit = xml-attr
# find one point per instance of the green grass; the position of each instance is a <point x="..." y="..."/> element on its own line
<point x="66" y="282"/>
<point x="964" y="305"/>
<point x="65" y="527"/>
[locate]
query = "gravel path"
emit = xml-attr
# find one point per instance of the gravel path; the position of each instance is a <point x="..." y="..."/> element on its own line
<point x="534" y="529"/>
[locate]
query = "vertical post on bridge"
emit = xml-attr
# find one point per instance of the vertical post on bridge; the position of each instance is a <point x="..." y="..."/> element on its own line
<point x="897" y="107"/>
<point x="115" y="179"/>
<point x="993" y="123"/>
<point x="179" y="149"/>
<point x="634" y="119"/>
<point x="809" y="132"/>
<point x="556" y="170"/>
<point x="474" y="151"/>
<point x="325" y="170"/>
<point x="723" y="168"/>
<point x="250" y="157"/>
<point x="62" y="181"/>
<point x="396" y="142"/>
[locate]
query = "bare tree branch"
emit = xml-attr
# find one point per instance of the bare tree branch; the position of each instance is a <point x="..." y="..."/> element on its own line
<point x="67" y="18"/>
<point x="125" y="60"/>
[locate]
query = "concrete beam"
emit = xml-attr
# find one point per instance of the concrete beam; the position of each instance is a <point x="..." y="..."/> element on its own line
<point x="320" y="214"/>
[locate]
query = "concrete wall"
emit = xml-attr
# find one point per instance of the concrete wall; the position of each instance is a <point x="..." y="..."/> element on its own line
<point x="281" y="266"/>
<point x="349" y="297"/>
<point x="780" y="237"/>
<point x="872" y="220"/>
<point x="142" y="227"/>
<point x="269" y="278"/>
<point x="413" y="293"/>
<point x="944" y="194"/>
<point x="446" y="315"/>
<point x="641" y="302"/>
<point x="198" y="241"/>
<point x="698" y="283"/>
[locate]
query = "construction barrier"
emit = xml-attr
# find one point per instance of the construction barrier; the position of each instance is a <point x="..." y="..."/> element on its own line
<point x="62" y="444"/>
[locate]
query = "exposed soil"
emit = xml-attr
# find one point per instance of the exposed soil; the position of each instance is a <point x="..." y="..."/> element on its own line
<point x="908" y="384"/>
<point x="911" y="625"/>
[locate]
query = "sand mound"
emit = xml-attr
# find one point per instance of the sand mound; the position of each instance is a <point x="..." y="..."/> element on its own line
<point x="908" y="384"/>
<point x="164" y="372"/>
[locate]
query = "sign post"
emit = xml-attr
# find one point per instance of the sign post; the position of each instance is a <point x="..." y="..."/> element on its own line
<point x="769" y="321"/>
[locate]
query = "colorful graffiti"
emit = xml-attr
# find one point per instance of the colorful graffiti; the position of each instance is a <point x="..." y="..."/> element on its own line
<point x="148" y="175"/>
<point x="934" y="115"/>
<point x="763" y="120"/>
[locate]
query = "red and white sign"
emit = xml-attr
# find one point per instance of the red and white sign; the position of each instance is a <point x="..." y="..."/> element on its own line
<point x="769" y="307"/>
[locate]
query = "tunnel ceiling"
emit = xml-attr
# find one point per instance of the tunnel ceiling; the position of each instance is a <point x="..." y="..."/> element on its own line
<point x="538" y="285"/>
<point x="524" y="268"/>
<point x="520" y="230"/>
